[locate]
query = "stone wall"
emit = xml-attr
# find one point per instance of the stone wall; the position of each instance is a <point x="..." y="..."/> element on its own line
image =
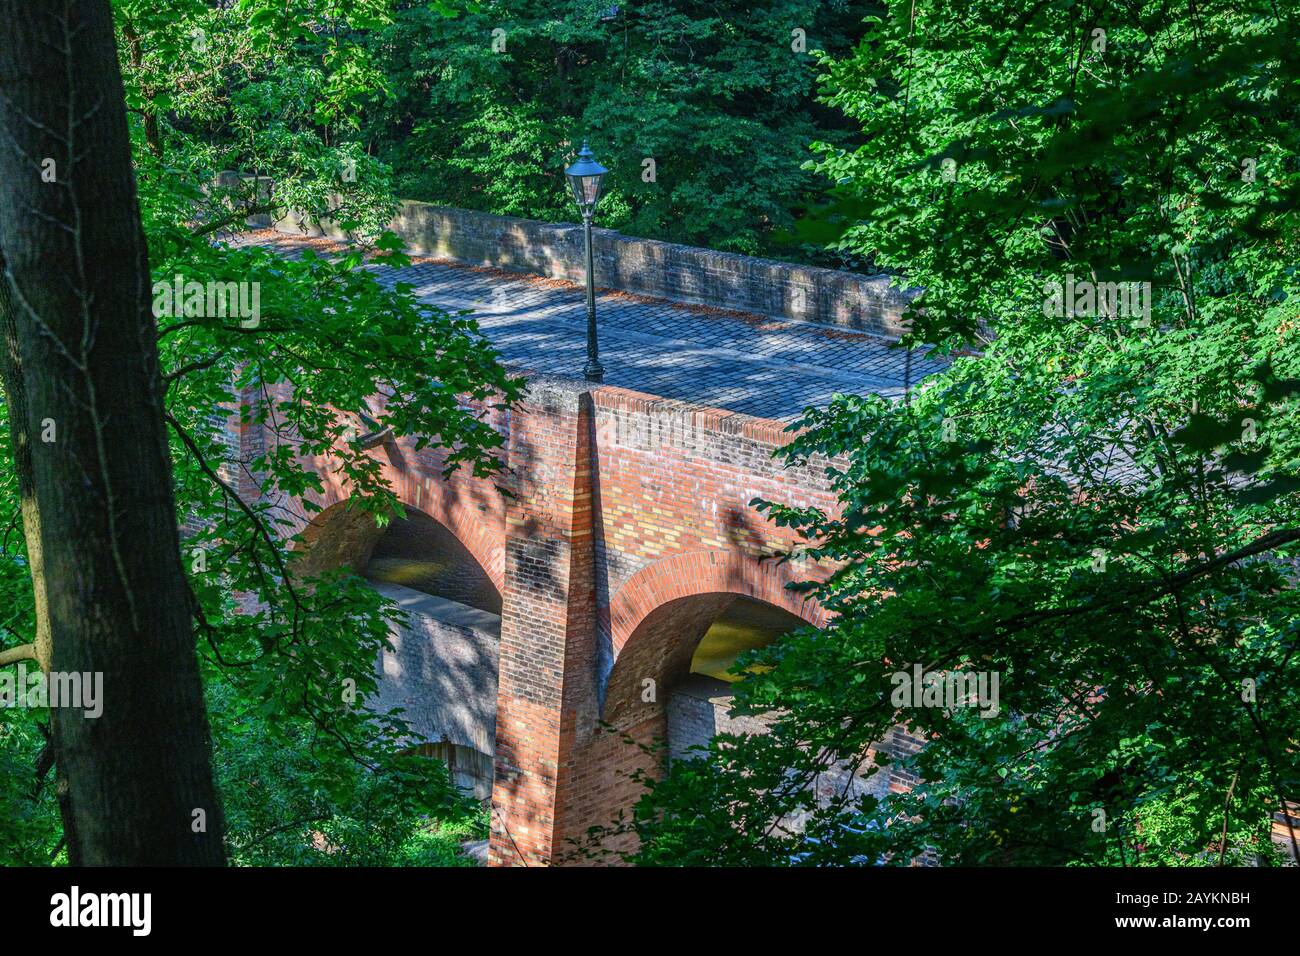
<point x="699" y="708"/>
<point x="442" y="670"/>
<point x="643" y="266"/>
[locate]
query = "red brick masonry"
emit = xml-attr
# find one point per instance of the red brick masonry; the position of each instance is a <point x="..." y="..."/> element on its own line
<point x="627" y="527"/>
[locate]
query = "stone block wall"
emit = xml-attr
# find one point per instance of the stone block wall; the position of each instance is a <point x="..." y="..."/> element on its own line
<point x="441" y="670"/>
<point x="699" y="708"/>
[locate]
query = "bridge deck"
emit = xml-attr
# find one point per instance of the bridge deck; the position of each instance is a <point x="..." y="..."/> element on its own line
<point x="766" y="367"/>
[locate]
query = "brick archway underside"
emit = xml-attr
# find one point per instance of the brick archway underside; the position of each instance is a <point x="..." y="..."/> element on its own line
<point x="338" y="534"/>
<point x="658" y="616"/>
<point x="656" y="620"/>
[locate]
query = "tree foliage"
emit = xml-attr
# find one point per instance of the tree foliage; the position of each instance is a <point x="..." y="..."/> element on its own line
<point x="484" y="110"/>
<point x="1096" y="501"/>
<point x="271" y="89"/>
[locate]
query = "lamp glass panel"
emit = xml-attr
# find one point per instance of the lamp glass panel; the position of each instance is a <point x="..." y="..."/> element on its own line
<point x="586" y="189"/>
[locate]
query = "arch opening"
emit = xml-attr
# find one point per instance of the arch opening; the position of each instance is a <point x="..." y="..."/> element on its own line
<point x="670" y="683"/>
<point x="745" y="624"/>
<point x="442" y="667"/>
<point x="421" y="553"/>
<point x="699" y="702"/>
<point x="673" y="676"/>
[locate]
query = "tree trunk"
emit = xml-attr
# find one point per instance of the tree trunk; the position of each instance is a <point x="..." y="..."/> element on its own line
<point x="81" y="370"/>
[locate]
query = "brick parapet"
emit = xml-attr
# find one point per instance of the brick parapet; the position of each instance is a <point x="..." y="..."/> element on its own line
<point x="649" y="267"/>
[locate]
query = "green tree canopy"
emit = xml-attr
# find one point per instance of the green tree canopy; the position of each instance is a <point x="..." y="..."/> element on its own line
<point x="1097" y="501"/>
<point x="271" y="89"/>
<point x="485" y="110"/>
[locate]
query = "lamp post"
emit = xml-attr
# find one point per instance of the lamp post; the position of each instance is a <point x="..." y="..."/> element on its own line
<point x="585" y="177"/>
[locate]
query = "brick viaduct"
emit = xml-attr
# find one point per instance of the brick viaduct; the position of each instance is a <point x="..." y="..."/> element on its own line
<point x="626" y="530"/>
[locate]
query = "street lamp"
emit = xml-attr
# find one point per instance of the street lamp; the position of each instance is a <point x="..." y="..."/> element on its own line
<point x="585" y="177"/>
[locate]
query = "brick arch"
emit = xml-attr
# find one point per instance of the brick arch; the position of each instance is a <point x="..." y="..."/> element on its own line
<point x="482" y="534"/>
<point x="706" y="572"/>
<point x="658" y="616"/>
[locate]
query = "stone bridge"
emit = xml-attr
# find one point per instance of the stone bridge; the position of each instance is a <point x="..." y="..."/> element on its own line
<point x="605" y="594"/>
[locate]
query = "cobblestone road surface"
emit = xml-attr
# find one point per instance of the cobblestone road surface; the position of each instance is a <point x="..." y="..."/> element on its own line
<point x="766" y="367"/>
